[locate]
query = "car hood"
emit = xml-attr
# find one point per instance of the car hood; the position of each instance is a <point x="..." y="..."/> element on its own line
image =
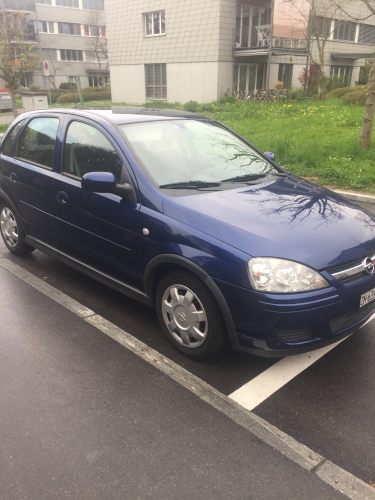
<point x="287" y="218"/>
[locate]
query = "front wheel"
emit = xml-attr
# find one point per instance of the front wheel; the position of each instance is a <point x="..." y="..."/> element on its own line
<point x="190" y="316"/>
<point x="11" y="231"/>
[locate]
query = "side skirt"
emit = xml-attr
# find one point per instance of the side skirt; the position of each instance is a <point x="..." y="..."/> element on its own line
<point x="103" y="278"/>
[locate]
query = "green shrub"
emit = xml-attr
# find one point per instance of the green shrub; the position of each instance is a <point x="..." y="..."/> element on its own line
<point x="295" y="93"/>
<point x="228" y="99"/>
<point x="68" y="86"/>
<point x="345" y="90"/>
<point x="191" y="106"/>
<point x="34" y="88"/>
<point x="69" y="97"/>
<point x="356" y="97"/>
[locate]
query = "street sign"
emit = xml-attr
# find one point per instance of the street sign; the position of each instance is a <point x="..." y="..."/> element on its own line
<point x="45" y="68"/>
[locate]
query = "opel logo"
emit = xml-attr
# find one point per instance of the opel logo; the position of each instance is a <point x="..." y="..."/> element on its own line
<point x="368" y="266"/>
<point x="182" y="316"/>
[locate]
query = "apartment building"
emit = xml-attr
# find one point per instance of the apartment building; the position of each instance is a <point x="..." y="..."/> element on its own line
<point x="182" y="50"/>
<point x="71" y="36"/>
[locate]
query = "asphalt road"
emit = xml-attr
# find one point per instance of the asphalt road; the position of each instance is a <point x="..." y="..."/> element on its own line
<point x="81" y="417"/>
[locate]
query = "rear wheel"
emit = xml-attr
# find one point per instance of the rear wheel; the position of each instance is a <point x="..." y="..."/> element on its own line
<point x="190" y="316"/>
<point x="11" y="231"/>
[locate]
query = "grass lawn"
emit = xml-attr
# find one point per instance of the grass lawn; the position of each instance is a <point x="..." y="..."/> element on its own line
<point x="313" y="139"/>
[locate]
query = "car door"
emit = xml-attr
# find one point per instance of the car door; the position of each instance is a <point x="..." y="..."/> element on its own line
<point x="29" y="173"/>
<point x="102" y="227"/>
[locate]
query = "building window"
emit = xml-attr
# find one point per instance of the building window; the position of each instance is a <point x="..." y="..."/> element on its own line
<point x="366" y="34"/>
<point x="71" y="55"/>
<point x="67" y="3"/>
<point x="44" y="2"/>
<point x="321" y="27"/>
<point x="93" y="4"/>
<point x="286" y="75"/>
<point x="252" y="26"/>
<point x="154" y="23"/>
<point x="43" y="27"/>
<point x="94" y="81"/>
<point x="342" y="72"/>
<point x="69" y="29"/>
<point x="344" y="30"/>
<point x="156" y="81"/>
<point x="247" y="78"/>
<point x="94" y="31"/>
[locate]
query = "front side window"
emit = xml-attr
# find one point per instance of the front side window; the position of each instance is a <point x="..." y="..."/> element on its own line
<point x="37" y="143"/>
<point x="188" y="150"/>
<point x="154" y="23"/>
<point x="156" y="81"/>
<point x="71" y="55"/>
<point x="87" y="150"/>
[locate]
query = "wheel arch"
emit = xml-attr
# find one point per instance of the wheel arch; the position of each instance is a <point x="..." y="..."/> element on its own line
<point x="162" y="264"/>
<point x="4" y="197"/>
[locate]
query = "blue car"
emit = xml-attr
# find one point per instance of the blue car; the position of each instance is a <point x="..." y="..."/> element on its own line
<point x="175" y="210"/>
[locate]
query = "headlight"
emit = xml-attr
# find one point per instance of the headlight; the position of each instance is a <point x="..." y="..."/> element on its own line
<point x="283" y="276"/>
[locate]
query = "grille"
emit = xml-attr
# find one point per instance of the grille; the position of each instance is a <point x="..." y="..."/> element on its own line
<point x="352" y="272"/>
<point x="291" y="336"/>
<point x="351" y="319"/>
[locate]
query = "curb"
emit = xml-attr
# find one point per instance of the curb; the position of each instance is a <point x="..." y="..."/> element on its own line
<point x="359" y="198"/>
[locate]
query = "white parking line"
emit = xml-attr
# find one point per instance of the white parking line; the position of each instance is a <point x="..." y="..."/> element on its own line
<point x="271" y="380"/>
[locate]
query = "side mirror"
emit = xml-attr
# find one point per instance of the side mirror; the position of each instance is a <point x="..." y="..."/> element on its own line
<point x="105" y="182"/>
<point x="271" y="156"/>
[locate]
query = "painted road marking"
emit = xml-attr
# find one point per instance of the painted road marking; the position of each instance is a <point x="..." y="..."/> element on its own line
<point x="333" y="475"/>
<point x="271" y="380"/>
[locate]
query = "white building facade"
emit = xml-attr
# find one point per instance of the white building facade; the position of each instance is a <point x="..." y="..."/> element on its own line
<point x="201" y="50"/>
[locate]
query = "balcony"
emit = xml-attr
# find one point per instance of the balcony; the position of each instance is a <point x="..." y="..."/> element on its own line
<point x="257" y="39"/>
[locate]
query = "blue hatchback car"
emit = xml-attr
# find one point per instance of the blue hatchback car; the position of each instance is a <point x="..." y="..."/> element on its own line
<point x="177" y="211"/>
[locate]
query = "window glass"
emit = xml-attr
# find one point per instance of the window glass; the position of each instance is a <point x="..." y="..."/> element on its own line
<point x="8" y="141"/>
<point x="189" y="150"/>
<point x="37" y="143"/>
<point x="87" y="150"/>
<point x="156" y="81"/>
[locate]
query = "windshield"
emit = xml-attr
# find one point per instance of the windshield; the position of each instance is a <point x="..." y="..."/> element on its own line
<point x="181" y="151"/>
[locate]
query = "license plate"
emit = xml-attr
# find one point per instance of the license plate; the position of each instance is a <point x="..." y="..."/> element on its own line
<point x="367" y="297"/>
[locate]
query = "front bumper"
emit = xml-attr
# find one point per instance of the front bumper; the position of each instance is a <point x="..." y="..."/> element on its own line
<point x="279" y="325"/>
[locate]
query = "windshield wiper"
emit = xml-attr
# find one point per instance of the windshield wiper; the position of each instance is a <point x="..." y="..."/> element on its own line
<point x="253" y="177"/>
<point x="190" y="185"/>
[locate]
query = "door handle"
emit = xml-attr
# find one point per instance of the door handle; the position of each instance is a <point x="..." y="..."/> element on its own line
<point x="13" y="178"/>
<point x="62" y="198"/>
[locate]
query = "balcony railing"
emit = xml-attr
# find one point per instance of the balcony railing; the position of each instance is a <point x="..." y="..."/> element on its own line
<point x="258" y="37"/>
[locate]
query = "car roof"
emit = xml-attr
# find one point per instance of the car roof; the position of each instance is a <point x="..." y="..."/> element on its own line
<point x="121" y="115"/>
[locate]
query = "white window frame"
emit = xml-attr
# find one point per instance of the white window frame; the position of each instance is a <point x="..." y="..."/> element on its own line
<point x="160" y="12"/>
<point x="153" y="85"/>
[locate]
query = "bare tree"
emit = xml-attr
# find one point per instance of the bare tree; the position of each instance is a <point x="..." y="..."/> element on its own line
<point x="368" y="117"/>
<point x="96" y="44"/>
<point x="54" y="65"/>
<point x="314" y="18"/>
<point x="17" y="55"/>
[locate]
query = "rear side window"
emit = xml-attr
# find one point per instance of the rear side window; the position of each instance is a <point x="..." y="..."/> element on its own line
<point x="37" y="143"/>
<point x="8" y="141"/>
<point x="88" y="150"/>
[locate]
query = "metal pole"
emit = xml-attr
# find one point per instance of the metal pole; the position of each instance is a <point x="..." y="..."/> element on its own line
<point x="270" y="46"/>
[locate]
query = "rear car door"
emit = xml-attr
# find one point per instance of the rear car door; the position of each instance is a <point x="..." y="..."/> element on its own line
<point x="28" y="175"/>
<point x="102" y="227"/>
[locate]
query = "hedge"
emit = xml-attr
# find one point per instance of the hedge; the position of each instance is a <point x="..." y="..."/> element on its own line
<point x="89" y="96"/>
<point x="357" y="97"/>
<point x="345" y="90"/>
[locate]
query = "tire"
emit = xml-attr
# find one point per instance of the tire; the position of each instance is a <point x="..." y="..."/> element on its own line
<point x="189" y="316"/>
<point x="12" y="232"/>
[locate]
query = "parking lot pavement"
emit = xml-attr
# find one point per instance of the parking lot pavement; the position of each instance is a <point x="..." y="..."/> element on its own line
<point x="327" y="407"/>
<point x="82" y="417"/>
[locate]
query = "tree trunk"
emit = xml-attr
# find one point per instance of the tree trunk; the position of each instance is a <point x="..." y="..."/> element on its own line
<point x="321" y="83"/>
<point x="368" y="117"/>
<point x="13" y="100"/>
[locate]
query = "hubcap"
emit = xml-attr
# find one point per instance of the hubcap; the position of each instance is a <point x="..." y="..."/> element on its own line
<point x="9" y="229"/>
<point x="184" y="316"/>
